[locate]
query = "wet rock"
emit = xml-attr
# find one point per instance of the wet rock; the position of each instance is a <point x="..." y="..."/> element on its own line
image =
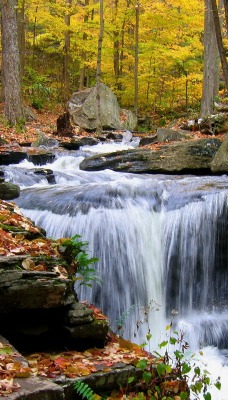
<point x="8" y="191"/>
<point x="47" y="173"/>
<point x="183" y="157"/>
<point x="118" y="137"/>
<point x="76" y="144"/>
<point x="12" y="157"/>
<point x="41" y="158"/>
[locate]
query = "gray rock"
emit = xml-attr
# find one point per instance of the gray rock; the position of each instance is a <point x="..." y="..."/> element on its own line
<point x="9" y="191"/>
<point x="191" y="156"/>
<point x="21" y="289"/>
<point x="128" y="119"/>
<point x="82" y="110"/>
<point x="171" y="135"/>
<point x="148" y="140"/>
<point x="45" y="141"/>
<point x="220" y="160"/>
<point x="79" y="314"/>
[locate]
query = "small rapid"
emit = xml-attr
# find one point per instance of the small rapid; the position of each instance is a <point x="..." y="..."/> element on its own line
<point x="161" y="243"/>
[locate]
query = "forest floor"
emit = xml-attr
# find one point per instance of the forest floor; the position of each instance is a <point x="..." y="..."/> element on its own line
<point x="46" y="123"/>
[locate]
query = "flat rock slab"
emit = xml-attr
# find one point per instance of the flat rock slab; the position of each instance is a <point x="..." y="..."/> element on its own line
<point x="182" y="157"/>
<point x="32" y="388"/>
<point x="117" y="376"/>
<point x="62" y="388"/>
<point x="36" y="389"/>
<point x="21" y="289"/>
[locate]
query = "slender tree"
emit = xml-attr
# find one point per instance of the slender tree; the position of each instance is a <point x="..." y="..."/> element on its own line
<point x="21" y="33"/>
<point x="11" y="77"/>
<point x="221" y="48"/>
<point x="136" y="97"/>
<point x="66" y="64"/>
<point x="211" y="63"/>
<point x="98" y="74"/>
<point x="82" y="71"/>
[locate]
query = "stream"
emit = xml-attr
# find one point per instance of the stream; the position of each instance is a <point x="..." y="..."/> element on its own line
<point x="162" y="244"/>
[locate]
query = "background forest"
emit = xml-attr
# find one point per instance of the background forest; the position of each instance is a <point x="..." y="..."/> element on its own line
<point x="58" y="42"/>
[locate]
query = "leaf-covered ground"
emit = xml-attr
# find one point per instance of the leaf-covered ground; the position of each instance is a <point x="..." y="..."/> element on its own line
<point x="69" y="364"/>
<point x="46" y="122"/>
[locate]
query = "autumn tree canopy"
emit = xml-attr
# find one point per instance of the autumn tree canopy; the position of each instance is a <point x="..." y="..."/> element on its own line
<point x="58" y="50"/>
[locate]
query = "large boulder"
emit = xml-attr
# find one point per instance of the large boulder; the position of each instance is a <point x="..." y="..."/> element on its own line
<point x="182" y="157"/>
<point x="220" y="160"/>
<point x="82" y="111"/>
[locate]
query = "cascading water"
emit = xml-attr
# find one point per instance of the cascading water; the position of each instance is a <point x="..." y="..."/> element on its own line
<point x="161" y="241"/>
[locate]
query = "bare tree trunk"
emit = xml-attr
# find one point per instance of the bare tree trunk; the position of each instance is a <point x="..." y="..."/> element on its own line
<point x="136" y="58"/>
<point x="98" y="77"/>
<point x="66" y="73"/>
<point x="225" y="5"/>
<point x="21" y="34"/>
<point x="83" y="55"/>
<point x="116" y="46"/>
<point x="11" y="63"/>
<point x="222" y="51"/>
<point x="211" y="63"/>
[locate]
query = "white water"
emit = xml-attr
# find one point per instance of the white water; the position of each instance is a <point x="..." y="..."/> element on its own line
<point x="155" y="237"/>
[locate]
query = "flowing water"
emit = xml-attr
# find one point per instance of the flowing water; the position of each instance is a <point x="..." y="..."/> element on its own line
<point x="161" y="243"/>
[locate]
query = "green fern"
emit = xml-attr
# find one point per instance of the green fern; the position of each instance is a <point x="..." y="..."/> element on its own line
<point x="85" y="391"/>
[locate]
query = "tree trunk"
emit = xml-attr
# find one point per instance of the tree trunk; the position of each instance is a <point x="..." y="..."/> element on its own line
<point x="116" y="45"/>
<point x="136" y="58"/>
<point x="21" y="34"/>
<point x="66" y="73"/>
<point x="98" y="77"/>
<point x="225" y="5"/>
<point x="211" y="63"/>
<point x="11" y="63"/>
<point x="84" y="54"/>
<point x="222" y="51"/>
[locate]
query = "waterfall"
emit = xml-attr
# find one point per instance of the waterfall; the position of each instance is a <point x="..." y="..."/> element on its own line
<point x="161" y="242"/>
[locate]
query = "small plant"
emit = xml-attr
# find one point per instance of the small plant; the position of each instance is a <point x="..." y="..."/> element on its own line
<point x="74" y="251"/>
<point x="174" y="374"/>
<point x="38" y="104"/>
<point x="20" y="125"/>
<point x="85" y="391"/>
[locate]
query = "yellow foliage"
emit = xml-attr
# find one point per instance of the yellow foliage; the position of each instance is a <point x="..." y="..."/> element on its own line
<point x="170" y="47"/>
